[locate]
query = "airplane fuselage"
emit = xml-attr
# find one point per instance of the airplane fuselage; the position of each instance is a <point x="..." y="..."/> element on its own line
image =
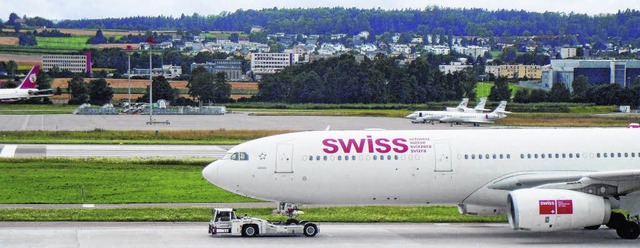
<point x="14" y="94"/>
<point x="414" y="167"/>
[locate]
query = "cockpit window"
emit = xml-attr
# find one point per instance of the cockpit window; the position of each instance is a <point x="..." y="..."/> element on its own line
<point x="239" y="156"/>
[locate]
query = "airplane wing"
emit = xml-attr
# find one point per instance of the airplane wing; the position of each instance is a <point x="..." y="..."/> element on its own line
<point x="622" y="181"/>
<point x="41" y="93"/>
<point x="478" y="121"/>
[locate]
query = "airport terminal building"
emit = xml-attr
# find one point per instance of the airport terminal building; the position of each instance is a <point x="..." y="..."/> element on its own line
<point x="598" y="72"/>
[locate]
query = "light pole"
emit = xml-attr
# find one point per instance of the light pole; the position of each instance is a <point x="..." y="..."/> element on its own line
<point x="150" y="41"/>
<point x="129" y="72"/>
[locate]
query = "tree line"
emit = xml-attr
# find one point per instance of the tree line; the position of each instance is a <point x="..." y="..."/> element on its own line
<point x="345" y="80"/>
<point x="583" y="92"/>
<point x="621" y="27"/>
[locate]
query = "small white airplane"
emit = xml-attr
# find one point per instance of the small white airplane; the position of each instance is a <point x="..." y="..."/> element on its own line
<point x="431" y="116"/>
<point x="27" y="89"/>
<point x="477" y="118"/>
<point x="543" y="179"/>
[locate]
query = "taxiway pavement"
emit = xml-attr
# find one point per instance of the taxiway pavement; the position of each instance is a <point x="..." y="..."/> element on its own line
<point x="121" y="151"/>
<point x="163" y="234"/>
<point x="232" y="121"/>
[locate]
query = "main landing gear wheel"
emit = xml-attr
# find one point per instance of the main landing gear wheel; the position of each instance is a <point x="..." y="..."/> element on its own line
<point x="628" y="230"/>
<point x="616" y="220"/>
<point x="310" y="230"/>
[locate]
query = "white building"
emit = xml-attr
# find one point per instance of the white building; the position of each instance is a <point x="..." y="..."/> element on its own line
<point x="453" y="67"/>
<point x="472" y="51"/>
<point x="73" y="63"/>
<point x="168" y="71"/>
<point x="270" y="63"/>
<point x="438" y="49"/>
<point x="568" y="52"/>
<point x="400" y="49"/>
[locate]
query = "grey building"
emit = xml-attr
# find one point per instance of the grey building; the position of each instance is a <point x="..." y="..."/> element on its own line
<point x="233" y="68"/>
<point x="598" y="72"/>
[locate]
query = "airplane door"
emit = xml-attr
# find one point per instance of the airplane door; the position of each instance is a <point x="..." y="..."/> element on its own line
<point x="284" y="158"/>
<point x="443" y="157"/>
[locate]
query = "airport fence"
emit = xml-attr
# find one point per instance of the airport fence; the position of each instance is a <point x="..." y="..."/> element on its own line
<point x="86" y="109"/>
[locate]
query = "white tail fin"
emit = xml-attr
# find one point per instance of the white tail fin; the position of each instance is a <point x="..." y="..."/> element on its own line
<point x="481" y="104"/>
<point x="501" y="108"/>
<point x="464" y="103"/>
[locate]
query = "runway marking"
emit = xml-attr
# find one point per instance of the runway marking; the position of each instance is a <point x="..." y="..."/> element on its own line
<point x="26" y="122"/>
<point x="8" y="151"/>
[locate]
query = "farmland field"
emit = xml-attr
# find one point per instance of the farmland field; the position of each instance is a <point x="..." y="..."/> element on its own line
<point x="138" y="87"/>
<point x="9" y="41"/>
<point x="28" y="60"/>
<point x="70" y="43"/>
<point x="81" y="32"/>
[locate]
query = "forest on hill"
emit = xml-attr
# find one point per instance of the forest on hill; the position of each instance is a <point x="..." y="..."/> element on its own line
<point x="622" y="27"/>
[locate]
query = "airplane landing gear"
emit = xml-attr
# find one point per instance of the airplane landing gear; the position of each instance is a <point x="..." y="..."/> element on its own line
<point x="625" y="228"/>
<point x="628" y="230"/>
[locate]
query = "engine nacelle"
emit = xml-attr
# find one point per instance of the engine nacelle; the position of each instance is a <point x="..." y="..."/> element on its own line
<point x="556" y="209"/>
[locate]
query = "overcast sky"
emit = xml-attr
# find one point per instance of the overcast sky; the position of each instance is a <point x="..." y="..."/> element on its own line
<point x="79" y="9"/>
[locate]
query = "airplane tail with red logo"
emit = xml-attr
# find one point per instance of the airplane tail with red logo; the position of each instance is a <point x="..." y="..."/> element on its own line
<point x="29" y="82"/>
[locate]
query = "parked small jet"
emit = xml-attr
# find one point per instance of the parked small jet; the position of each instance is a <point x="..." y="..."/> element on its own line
<point x="542" y="179"/>
<point x="27" y="89"/>
<point x="431" y="116"/>
<point x="477" y="118"/>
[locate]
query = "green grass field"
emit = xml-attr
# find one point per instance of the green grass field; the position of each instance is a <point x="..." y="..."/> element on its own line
<point x="484" y="88"/>
<point x="107" y="181"/>
<point x="61" y="181"/>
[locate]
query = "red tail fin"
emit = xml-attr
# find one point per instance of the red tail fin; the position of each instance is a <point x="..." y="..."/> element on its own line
<point x="29" y="82"/>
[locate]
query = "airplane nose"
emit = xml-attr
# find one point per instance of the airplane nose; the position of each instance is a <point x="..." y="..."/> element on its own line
<point x="211" y="173"/>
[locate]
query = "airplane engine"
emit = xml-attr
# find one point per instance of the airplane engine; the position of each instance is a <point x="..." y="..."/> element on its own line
<point x="556" y="209"/>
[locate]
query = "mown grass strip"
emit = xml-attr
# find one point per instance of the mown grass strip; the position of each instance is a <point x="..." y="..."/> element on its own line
<point x="566" y="120"/>
<point x="423" y="214"/>
<point x="22" y="109"/>
<point x="58" y="181"/>
<point x="99" y="136"/>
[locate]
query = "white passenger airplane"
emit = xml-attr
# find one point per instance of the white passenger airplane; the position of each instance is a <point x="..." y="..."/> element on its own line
<point x="431" y="116"/>
<point x="543" y="179"/>
<point x="476" y="118"/>
<point x="27" y="89"/>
